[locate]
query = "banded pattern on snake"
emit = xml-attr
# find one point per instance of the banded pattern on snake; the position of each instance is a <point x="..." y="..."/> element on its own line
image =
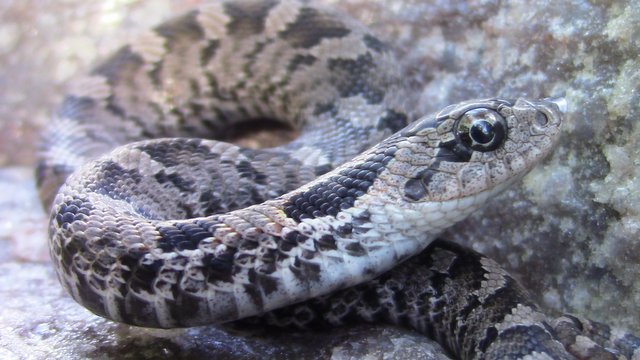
<point x="157" y="227"/>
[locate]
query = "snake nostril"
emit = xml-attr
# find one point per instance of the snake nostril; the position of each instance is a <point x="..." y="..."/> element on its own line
<point x="541" y="119"/>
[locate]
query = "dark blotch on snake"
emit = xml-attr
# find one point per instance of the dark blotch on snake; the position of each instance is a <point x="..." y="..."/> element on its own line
<point x="211" y="204"/>
<point x="291" y="240"/>
<point x="311" y="27"/>
<point x="538" y="341"/>
<point x="124" y="61"/>
<point x="326" y="242"/>
<point x="322" y="108"/>
<point x="208" y="52"/>
<point x="417" y="188"/>
<point x="355" y="249"/>
<point x="220" y="267"/>
<point x="340" y="191"/>
<point x="177" y="152"/>
<point x="301" y="60"/>
<point x="247" y="171"/>
<point x="186" y="308"/>
<point x="181" y="236"/>
<point x="142" y="276"/>
<point x="265" y="282"/>
<point x="305" y="270"/>
<point x="75" y="209"/>
<point x="393" y="120"/>
<point x="351" y="78"/>
<point x="374" y="43"/>
<point x="182" y="29"/>
<point x="176" y="32"/>
<point x="253" y="290"/>
<point x="414" y="189"/>
<point x="248" y="20"/>
<point x="453" y="151"/>
<point x="76" y="107"/>
<point x="111" y="179"/>
<point x="176" y="180"/>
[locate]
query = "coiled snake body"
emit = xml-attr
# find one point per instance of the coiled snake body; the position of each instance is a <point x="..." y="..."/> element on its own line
<point x="157" y="227"/>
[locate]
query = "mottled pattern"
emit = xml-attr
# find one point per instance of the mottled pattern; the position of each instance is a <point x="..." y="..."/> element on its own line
<point x="424" y="294"/>
<point x="158" y="232"/>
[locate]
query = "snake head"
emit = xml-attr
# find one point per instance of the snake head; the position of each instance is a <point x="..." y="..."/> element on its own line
<point x="477" y="146"/>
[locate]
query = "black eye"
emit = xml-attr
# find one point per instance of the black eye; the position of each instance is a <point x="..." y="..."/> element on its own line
<point x="481" y="129"/>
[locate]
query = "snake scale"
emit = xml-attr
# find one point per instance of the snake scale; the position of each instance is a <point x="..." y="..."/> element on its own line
<point x="154" y="225"/>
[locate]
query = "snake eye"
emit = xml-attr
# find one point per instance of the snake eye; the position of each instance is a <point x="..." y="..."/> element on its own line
<point x="481" y="129"/>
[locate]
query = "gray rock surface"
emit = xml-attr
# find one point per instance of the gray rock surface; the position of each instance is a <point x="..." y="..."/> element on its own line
<point x="569" y="231"/>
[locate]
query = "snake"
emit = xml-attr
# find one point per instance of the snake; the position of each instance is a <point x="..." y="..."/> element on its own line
<point x="158" y="221"/>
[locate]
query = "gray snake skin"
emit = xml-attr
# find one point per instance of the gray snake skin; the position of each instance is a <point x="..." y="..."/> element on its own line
<point x="152" y="225"/>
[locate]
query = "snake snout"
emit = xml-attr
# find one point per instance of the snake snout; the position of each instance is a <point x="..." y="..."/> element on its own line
<point x="560" y="101"/>
<point x="543" y="116"/>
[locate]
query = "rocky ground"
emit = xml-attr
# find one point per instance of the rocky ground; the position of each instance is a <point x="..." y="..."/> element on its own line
<point x="569" y="231"/>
